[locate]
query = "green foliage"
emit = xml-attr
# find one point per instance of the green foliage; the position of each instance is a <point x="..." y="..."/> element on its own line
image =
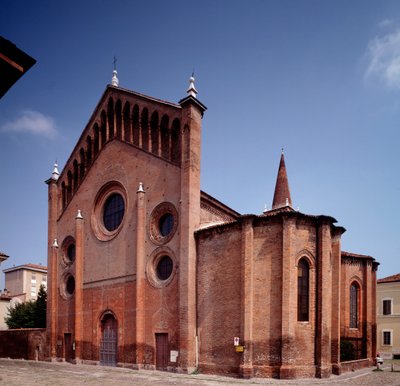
<point x="347" y="351"/>
<point x="41" y="303"/>
<point x="30" y="314"/>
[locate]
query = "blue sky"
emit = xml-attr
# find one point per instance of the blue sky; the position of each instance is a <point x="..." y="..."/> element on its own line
<point x="319" y="78"/>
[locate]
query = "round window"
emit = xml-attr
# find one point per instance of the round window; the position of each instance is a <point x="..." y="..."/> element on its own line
<point x="71" y="253"/>
<point x="68" y="250"/>
<point x="114" y="209"/>
<point x="70" y="285"/>
<point x="166" y="224"/>
<point x="163" y="223"/>
<point x="164" y="267"/>
<point x="161" y="267"/>
<point x="110" y="211"/>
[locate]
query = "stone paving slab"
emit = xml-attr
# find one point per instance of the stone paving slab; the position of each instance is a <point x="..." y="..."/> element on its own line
<point x="21" y="372"/>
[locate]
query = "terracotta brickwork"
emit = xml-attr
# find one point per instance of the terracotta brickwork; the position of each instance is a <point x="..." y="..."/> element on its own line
<point x="262" y="253"/>
<point x="148" y="271"/>
<point x="24" y="343"/>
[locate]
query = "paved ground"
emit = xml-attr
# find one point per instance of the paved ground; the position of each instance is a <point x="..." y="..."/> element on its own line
<point x="20" y="372"/>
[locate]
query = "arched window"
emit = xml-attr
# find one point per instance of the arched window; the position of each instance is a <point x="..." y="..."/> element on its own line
<point x="96" y="144"/>
<point x="118" y="119"/>
<point x="127" y="122"/>
<point x="354" y="305"/>
<point x="69" y="186"/>
<point x="110" y="118"/>
<point x="303" y="289"/>
<point x="154" y="132"/>
<point x="144" y="124"/>
<point x="176" y="142"/>
<point x="164" y="137"/>
<point x="75" y="176"/>
<point x="64" y="195"/>
<point x="135" y="125"/>
<point x="103" y="128"/>
<point x="82" y="164"/>
<point x="88" y="151"/>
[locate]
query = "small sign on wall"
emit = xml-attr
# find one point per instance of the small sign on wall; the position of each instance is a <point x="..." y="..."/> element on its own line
<point x="239" y="348"/>
<point x="173" y="355"/>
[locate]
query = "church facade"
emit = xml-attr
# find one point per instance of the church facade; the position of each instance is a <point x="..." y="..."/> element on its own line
<point x="145" y="270"/>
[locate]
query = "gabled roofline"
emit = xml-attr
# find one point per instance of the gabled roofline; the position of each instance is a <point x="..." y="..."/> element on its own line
<point x="143" y="96"/>
<point x="220" y="205"/>
<point x="110" y="89"/>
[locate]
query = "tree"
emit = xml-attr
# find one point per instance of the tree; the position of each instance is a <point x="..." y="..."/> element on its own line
<point x="22" y="315"/>
<point x="29" y="314"/>
<point x="41" y="303"/>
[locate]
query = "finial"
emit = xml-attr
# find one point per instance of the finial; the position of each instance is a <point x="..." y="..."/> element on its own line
<point x="140" y="190"/>
<point x="79" y="215"/>
<point x="55" y="243"/>
<point x="282" y="151"/>
<point x="265" y="208"/>
<point x="114" y="79"/>
<point x="55" y="174"/>
<point x="192" y="89"/>
<point x="287" y="201"/>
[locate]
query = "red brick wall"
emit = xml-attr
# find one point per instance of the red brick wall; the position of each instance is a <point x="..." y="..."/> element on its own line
<point x="219" y="299"/>
<point x="360" y="270"/>
<point x="109" y="267"/>
<point x="26" y="343"/>
<point x="109" y="276"/>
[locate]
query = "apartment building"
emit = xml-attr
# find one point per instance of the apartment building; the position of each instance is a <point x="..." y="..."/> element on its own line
<point x="388" y="318"/>
<point x="24" y="281"/>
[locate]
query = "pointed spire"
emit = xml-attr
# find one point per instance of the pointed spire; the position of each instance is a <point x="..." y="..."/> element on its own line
<point x="56" y="173"/>
<point x="282" y="193"/>
<point x="114" y="79"/>
<point x="192" y="89"/>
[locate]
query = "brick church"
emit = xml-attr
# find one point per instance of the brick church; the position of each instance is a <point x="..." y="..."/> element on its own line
<point x="148" y="271"/>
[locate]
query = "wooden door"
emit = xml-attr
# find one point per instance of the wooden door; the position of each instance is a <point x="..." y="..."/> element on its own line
<point x="68" y="352"/>
<point x="162" y="351"/>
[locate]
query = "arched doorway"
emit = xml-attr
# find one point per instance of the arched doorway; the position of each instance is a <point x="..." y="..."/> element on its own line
<point x="109" y="339"/>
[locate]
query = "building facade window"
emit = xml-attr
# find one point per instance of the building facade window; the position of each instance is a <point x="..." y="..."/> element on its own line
<point x="161" y="267"/>
<point x="164" y="268"/>
<point x="163" y="223"/>
<point x="387" y="306"/>
<point x="303" y="289"/>
<point x="387" y="337"/>
<point x="114" y="209"/>
<point x="71" y="252"/>
<point x="70" y="285"/>
<point x="354" y="296"/>
<point x="110" y="208"/>
<point x="166" y="224"/>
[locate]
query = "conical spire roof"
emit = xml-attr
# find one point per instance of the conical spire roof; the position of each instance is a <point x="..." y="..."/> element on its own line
<point x="282" y="193"/>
